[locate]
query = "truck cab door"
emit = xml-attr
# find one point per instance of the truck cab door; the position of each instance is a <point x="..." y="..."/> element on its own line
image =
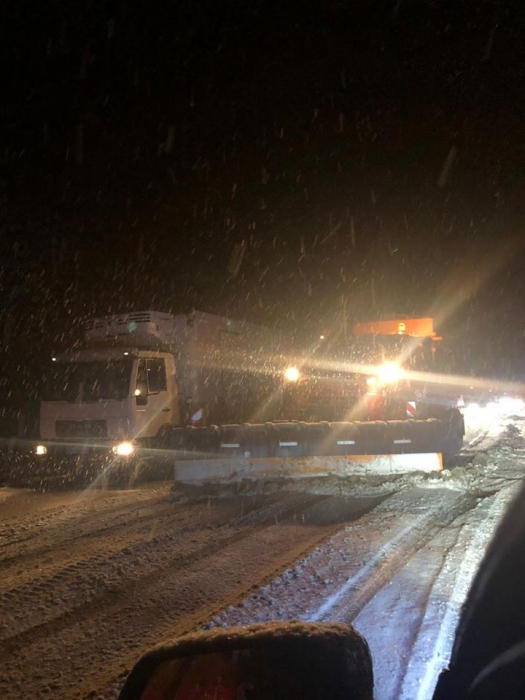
<point x="154" y="399"/>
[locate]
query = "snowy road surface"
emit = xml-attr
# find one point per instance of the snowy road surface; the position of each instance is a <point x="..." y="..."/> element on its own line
<point x="91" y="580"/>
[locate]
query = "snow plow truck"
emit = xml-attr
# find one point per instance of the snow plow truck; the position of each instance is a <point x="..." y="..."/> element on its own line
<point x="208" y="398"/>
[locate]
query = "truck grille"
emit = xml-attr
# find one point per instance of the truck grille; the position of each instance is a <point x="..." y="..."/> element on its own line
<point x="81" y="428"/>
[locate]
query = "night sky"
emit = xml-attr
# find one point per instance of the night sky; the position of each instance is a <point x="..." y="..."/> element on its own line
<point x="283" y="162"/>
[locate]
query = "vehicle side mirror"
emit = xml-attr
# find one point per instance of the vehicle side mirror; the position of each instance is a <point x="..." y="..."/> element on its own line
<point x="275" y="660"/>
<point x="141" y="399"/>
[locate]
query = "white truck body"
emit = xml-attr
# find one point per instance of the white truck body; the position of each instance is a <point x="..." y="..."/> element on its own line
<point x="142" y="370"/>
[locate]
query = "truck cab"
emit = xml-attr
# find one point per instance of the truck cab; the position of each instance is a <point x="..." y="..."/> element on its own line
<point x="121" y="386"/>
<point x="109" y="395"/>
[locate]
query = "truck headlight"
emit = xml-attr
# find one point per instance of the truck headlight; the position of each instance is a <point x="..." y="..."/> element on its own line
<point x="124" y="449"/>
<point x="292" y="374"/>
<point x="41" y="450"/>
<point x="390" y="373"/>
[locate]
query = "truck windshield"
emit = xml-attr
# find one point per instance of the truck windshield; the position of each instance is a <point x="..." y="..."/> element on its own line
<point x="84" y="382"/>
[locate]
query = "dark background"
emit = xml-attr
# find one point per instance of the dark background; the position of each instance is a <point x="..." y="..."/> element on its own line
<point x="288" y="162"/>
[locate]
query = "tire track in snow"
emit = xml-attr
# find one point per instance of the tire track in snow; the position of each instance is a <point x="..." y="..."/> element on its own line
<point x="130" y="522"/>
<point x="28" y="527"/>
<point x="102" y="643"/>
<point x="392" y="556"/>
<point x="431" y="649"/>
<point x="402" y="602"/>
<point x="76" y="590"/>
<point x="337" y="581"/>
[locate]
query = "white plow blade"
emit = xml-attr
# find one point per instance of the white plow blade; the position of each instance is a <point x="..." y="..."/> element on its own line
<point x="236" y="469"/>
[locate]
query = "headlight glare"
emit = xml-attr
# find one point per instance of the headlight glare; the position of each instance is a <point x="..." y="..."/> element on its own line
<point x="292" y="374"/>
<point x="390" y="373"/>
<point x="124" y="449"/>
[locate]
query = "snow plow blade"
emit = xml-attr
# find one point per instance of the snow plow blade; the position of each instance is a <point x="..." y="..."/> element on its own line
<point x="236" y="453"/>
<point x="203" y="472"/>
<point x="297" y="439"/>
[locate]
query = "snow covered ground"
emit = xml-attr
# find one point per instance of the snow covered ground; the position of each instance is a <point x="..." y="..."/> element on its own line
<point x="89" y="581"/>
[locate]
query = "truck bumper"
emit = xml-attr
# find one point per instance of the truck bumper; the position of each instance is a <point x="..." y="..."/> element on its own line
<point x="58" y="468"/>
<point x="77" y="466"/>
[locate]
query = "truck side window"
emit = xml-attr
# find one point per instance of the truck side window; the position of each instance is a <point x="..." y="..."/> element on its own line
<point x="156" y="376"/>
<point x="141" y="391"/>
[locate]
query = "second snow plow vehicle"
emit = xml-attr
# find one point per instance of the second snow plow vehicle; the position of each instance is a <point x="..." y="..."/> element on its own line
<point x="148" y="391"/>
